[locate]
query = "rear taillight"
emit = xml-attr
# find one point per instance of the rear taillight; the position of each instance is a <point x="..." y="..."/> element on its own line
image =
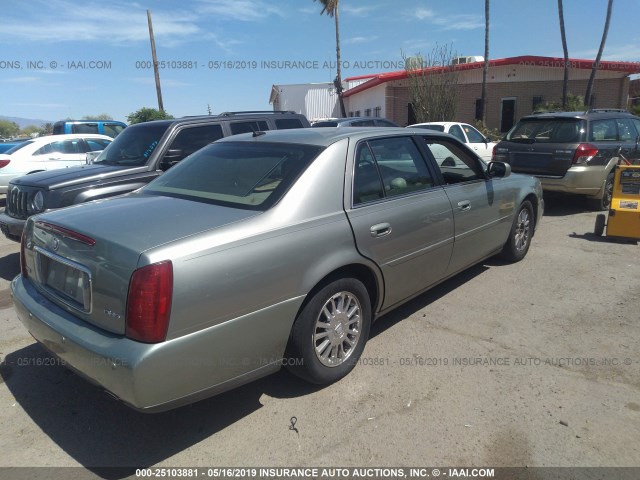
<point x="23" y="260"/>
<point x="493" y="153"/>
<point x="149" y="302"/>
<point x="4" y="163"/>
<point x="584" y="153"/>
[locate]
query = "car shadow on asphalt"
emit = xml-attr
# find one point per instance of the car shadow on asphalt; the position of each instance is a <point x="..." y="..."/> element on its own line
<point x="9" y="266"/>
<point x="390" y="319"/>
<point x="111" y="439"/>
<point x="557" y="205"/>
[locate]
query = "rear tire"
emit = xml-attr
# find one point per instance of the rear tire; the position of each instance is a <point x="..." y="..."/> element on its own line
<point x="598" y="230"/>
<point x="330" y="332"/>
<point x="603" y="204"/>
<point x="519" y="239"/>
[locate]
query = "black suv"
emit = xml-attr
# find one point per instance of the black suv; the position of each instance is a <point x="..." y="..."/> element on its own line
<point x="572" y="152"/>
<point x="139" y="154"/>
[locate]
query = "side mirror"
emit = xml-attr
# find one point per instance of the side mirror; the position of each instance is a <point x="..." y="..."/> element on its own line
<point x="171" y="158"/>
<point x="499" y="169"/>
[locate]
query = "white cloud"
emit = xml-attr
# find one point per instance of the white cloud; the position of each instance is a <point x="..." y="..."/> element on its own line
<point x="246" y="10"/>
<point x="358" y="40"/>
<point x="460" y="22"/>
<point x="357" y="11"/>
<point x="422" y="13"/>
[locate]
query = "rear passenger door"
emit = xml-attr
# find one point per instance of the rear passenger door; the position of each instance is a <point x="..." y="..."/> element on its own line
<point x="483" y="207"/>
<point x="63" y="153"/>
<point x="401" y="218"/>
<point x="628" y="138"/>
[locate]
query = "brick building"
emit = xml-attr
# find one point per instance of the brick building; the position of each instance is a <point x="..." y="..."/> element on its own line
<point x="515" y="86"/>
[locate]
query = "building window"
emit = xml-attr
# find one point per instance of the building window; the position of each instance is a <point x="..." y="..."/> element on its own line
<point x="377" y="112"/>
<point x="351" y="114"/>
<point x="357" y="113"/>
<point x="367" y="112"/>
<point x="478" y="115"/>
<point x="536" y="101"/>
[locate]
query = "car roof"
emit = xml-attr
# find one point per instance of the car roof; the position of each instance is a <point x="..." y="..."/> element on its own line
<point x="69" y="136"/>
<point x="325" y="136"/>
<point x="595" y="114"/>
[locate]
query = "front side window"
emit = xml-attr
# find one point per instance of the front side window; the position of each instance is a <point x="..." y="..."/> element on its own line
<point x="473" y="135"/>
<point x="388" y="167"/>
<point x="626" y="130"/>
<point x="191" y="139"/>
<point x="112" y="129"/>
<point x="250" y="176"/>
<point x="286" y="123"/>
<point x="456" y="165"/>
<point x="95" y="144"/>
<point x="249" y="127"/>
<point x="603" y="131"/>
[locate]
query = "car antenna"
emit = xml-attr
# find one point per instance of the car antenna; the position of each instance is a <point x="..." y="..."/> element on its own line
<point x="256" y="133"/>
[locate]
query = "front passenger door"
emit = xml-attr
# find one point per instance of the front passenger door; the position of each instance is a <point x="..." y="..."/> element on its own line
<point x="483" y="207"/>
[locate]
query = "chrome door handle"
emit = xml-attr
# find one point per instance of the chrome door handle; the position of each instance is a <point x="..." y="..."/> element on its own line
<point x="464" y="205"/>
<point x="380" y="230"/>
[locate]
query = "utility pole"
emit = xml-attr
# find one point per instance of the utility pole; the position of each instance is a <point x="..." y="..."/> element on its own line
<point x="155" y="62"/>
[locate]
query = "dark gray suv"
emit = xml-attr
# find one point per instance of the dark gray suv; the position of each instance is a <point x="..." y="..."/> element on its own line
<point x="138" y="155"/>
<point x="572" y="152"/>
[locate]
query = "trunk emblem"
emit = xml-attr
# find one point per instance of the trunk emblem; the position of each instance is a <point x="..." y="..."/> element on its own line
<point x="112" y="314"/>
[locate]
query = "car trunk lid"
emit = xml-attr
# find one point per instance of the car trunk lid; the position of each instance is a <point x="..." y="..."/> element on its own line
<point x="68" y="249"/>
<point x="542" y="147"/>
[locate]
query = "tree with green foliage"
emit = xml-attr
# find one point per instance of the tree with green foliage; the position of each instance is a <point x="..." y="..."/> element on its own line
<point x="575" y="103"/>
<point x="146" y="115"/>
<point x="102" y="116"/>
<point x="433" y="85"/>
<point x="32" y="131"/>
<point x="8" y="129"/>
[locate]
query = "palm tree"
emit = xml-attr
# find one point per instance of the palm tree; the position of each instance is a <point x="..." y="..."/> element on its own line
<point x="565" y="50"/>
<point x="594" y="68"/>
<point x="330" y="7"/>
<point x="485" y="70"/>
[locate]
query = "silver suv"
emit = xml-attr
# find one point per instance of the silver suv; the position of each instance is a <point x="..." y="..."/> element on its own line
<point x="572" y="152"/>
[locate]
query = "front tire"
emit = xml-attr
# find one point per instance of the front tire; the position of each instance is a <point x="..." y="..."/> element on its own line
<point x="330" y="332"/>
<point x="598" y="230"/>
<point x="517" y="245"/>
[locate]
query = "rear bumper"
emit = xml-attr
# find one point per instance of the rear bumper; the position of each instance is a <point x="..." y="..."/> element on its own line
<point x="11" y="227"/>
<point x="581" y="180"/>
<point x="154" y="377"/>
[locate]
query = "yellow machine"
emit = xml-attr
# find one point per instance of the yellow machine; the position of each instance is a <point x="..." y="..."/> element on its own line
<point x="624" y="213"/>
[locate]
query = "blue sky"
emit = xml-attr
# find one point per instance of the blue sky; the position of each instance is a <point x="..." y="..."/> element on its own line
<point x="45" y="43"/>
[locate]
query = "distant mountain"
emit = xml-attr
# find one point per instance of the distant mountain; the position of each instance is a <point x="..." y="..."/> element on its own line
<point x="25" y="122"/>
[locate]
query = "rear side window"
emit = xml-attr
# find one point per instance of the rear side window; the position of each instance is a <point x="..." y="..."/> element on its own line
<point x="388" y="167"/>
<point x="248" y="127"/>
<point x="286" y="123"/>
<point x="603" y="131"/>
<point x="637" y="125"/>
<point x="553" y="130"/>
<point x="362" y="123"/>
<point x="474" y="135"/>
<point x="456" y="131"/>
<point x="84" y="128"/>
<point x="437" y="128"/>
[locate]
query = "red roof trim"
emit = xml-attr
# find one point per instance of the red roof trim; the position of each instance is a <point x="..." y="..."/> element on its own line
<point x="525" y="60"/>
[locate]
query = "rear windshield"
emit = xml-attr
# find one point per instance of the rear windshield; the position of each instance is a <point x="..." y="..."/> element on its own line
<point x="243" y="175"/>
<point x="18" y="147"/>
<point x="548" y="130"/>
<point x="134" y="145"/>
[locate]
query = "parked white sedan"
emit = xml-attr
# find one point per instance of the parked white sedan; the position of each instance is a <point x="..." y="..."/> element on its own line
<point x="464" y="132"/>
<point x="48" y="153"/>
